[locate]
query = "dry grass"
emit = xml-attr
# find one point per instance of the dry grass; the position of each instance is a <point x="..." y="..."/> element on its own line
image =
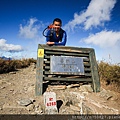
<point x="109" y="75"/>
<point x="12" y="65"/>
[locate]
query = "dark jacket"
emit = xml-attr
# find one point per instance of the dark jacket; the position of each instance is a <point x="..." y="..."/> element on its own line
<point x="60" y="40"/>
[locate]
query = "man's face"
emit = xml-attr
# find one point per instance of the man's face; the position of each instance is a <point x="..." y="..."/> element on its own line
<point x="56" y="26"/>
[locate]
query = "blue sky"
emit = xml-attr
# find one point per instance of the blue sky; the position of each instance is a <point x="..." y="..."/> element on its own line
<point x="89" y="23"/>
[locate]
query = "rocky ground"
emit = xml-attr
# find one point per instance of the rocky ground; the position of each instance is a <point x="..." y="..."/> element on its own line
<point x="17" y="96"/>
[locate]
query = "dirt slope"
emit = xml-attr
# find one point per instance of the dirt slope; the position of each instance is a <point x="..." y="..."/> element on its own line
<point x="18" y="88"/>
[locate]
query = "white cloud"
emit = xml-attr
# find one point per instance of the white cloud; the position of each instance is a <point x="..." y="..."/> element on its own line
<point x="106" y="44"/>
<point x="104" y="39"/>
<point x="33" y="30"/>
<point x="30" y="30"/>
<point x="9" y="47"/>
<point x="95" y="15"/>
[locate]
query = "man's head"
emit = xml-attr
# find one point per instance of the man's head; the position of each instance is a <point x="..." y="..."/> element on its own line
<point x="57" y="23"/>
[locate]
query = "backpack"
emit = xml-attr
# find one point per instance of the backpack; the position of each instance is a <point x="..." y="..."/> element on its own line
<point x="60" y="33"/>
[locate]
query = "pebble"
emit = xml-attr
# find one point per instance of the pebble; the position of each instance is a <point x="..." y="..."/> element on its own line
<point x="25" y="102"/>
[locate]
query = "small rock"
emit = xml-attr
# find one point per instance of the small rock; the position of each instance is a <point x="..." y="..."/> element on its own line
<point x="86" y="88"/>
<point x="11" y="90"/>
<point x="25" y="88"/>
<point x="8" y="83"/>
<point x="63" y="111"/>
<point x="51" y="111"/>
<point x="2" y="87"/>
<point x="73" y="85"/>
<point x="30" y="107"/>
<point x="25" y="102"/>
<point x="68" y="102"/>
<point x="31" y="88"/>
<point x="36" y="104"/>
<point x="48" y="89"/>
<point x="75" y="108"/>
<point x="12" y="72"/>
<point x="105" y="94"/>
<point x="114" y="98"/>
<point x="49" y="75"/>
<point x="32" y="84"/>
<point x="57" y="87"/>
<point x="33" y="113"/>
<point x="38" y="110"/>
<point x="80" y="84"/>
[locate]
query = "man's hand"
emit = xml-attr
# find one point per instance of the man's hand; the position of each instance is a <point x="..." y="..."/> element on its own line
<point x="50" y="43"/>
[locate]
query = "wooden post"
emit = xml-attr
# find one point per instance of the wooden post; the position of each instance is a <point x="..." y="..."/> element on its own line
<point x="39" y="73"/>
<point x="94" y="71"/>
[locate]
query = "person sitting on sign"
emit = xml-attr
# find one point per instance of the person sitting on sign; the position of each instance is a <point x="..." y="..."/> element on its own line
<point x="56" y="35"/>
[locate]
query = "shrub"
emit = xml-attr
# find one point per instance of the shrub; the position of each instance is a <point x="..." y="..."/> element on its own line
<point x="12" y="65"/>
<point x="109" y="73"/>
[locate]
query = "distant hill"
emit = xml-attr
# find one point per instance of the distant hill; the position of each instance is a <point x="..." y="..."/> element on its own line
<point x="5" y="58"/>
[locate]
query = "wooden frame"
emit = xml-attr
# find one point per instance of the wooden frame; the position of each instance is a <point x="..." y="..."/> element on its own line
<point x="43" y="66"/>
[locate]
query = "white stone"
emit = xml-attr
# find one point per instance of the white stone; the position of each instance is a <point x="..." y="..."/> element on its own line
<point x="50" y="102"/>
